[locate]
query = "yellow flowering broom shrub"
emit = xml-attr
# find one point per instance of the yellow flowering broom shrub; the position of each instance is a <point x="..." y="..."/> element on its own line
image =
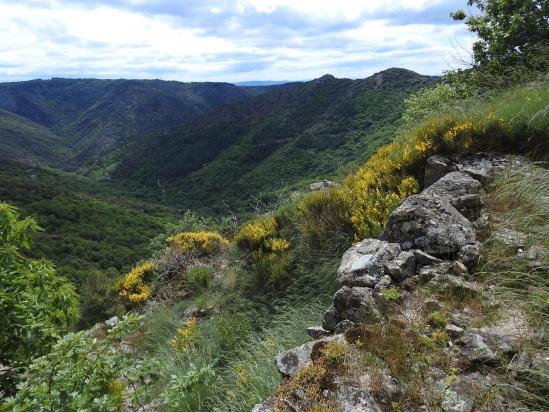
<point x="186" y="337"/>
<point x="207" y="243"/>
<point x="267" y="250"/>
<point x="133" y="287"/>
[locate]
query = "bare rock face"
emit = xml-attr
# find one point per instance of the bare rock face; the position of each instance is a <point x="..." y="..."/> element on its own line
<point x="461" y="191"/>
<point x="356" y="304"/>
<point x="364" y="263"/>
<point x="431" y="224"/>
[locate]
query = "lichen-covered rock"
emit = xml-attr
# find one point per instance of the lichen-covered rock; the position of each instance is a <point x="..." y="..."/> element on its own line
<point x="402" y="267"/>
<point x="510" y="238"/>
<point x="355" y="399"/>
<point x="292" y="360"/>
<point x="475" y="349"/>
<point x="461" y="191"/>
<point x="364" y="263"/>
<point x="429" y="223"/>
<point x="507" y="334"/>
<point x="356" y="304"/>
<point x="427" y="273"/>
<point x="453" y="331"/>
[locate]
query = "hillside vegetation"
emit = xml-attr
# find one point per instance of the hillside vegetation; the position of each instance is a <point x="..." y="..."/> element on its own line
<point x="280" y="139"/>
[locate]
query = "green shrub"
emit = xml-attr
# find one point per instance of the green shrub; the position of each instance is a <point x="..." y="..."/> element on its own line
<point x="437" y="319"/>
<point x="36" y="305"/>
<point x="391" y="295"/>
<point x="200" y="277"/>
<point x="82" y="373"/>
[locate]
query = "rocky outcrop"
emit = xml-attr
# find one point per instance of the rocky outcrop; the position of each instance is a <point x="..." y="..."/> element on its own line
<point x="429" y="241"/>
<point x="292" y="360"/>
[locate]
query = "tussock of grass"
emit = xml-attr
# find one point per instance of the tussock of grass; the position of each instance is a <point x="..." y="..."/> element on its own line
<point x="520" y="201"/>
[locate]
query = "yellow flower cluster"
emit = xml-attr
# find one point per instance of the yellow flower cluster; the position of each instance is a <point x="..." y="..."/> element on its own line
<point x="133" y="286"/>
<point x="185" y="337"/>
<point x="253" y="235"/>
<point x="278" y="245"/>
<point x="204" y="242"/>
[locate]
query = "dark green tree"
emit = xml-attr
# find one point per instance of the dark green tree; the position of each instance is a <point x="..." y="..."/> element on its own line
<point x="507" y="29"/>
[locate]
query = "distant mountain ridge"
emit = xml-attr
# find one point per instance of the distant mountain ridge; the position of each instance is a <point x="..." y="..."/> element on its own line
<point x="92" y="117"/>
<point x="262" y="83"/>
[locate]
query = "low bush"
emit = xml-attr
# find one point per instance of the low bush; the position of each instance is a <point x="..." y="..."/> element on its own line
<point x="207" y="243"/>
<point x="133" y="287"/>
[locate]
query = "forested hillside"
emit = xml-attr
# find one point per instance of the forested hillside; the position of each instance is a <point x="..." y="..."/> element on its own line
<point x="93" y="117"/>
<point x="281" y="138"/>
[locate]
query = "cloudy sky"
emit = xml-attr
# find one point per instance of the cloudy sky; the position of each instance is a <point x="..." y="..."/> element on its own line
<point x="227" y="40"/>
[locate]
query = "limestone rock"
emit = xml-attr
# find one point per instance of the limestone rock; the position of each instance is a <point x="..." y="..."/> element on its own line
<point x="112" y="322"/>
<point x="429" y="223"/>
<point x="427" y="273"/>
<point x="363" y="264"/>
<point x="454" y="402"/>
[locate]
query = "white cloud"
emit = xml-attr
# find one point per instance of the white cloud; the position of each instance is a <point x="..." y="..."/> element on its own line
<point x="245" y="39"/>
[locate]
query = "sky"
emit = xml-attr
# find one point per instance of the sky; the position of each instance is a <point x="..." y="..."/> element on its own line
<point x="227" y="40"/>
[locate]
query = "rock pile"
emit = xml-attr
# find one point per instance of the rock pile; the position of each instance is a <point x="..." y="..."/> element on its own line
<point x="429" y="239"/>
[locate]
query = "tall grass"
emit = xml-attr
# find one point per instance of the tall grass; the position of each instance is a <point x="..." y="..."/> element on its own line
<point x="520" y="202"/>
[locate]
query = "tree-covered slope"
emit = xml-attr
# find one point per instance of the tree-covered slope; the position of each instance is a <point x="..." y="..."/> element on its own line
<point x="23" y="140"/>
<point x="279" y="138"/>
<point x="95" y="116"/>
<point x="87" y="224"/>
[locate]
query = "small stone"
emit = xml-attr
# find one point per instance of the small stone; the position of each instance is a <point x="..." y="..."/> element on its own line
<point x="402" y="267"/>
<point x="474" y="349"/>
<point x="112" y="322"/>
<point x="459" y="268"/>
<point x="427" y="273"/>
<point x="329" y="320"/>
<point x="469" y="255"/>
<point x="453" y="402"/>
<point x="453" y="331"/>
<point x="353" y="399"/>
<point x="425" y="259"/>
<point x="436" y="167"/>
<point x="317" y="332"/>
<point x="384" y="283"/>
<point x="510" y="238"/>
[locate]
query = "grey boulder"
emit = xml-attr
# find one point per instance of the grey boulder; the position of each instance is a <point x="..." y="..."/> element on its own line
<point x="429" y="223"/>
